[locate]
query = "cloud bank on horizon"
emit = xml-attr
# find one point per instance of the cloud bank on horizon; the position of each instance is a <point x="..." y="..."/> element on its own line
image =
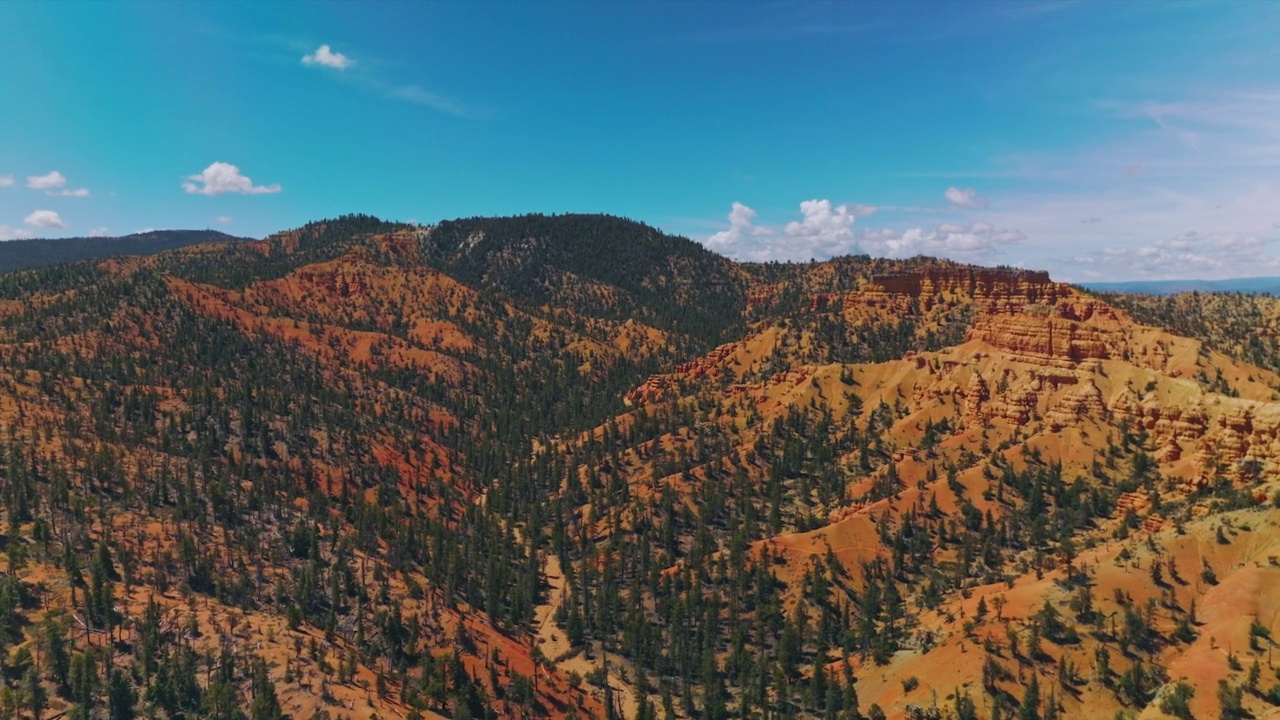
<point x="825" y="231"/>
<point x="1190" y="192"/>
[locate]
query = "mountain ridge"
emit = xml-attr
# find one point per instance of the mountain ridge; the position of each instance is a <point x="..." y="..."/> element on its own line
<point x="374" y="469"/>
<point x="1248" y="285"/>
<point x="22" y="254"/>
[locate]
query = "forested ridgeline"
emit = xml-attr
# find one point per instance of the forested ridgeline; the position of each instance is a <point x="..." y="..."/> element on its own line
<point x="364" y="468"/>
<point x="20" y="254"/>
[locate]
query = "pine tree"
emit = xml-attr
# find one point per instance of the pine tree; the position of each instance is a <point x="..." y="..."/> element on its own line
<point x="1030" y="707"/>
<point x="121" y="697"/>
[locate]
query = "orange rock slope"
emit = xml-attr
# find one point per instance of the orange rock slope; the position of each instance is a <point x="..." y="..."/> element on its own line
<point x="1044" y="373"/>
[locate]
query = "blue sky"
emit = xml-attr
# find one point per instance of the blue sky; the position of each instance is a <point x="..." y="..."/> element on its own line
<point x="1101" y="140"/>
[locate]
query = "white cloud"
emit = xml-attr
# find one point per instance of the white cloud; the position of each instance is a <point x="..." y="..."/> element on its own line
<point x="1186" y="255"/>
<point x="827" y="230"/>
<point x="740" y="228"/>
<point x="964" y="198"/>
<point x="51" y="181"/>
<point x="144" y="231"/>
<point x="325" y="56"/>
<point x="824" y="230"/>
<point x="6" y="181"/>
<point x="78" y="193"/>
<point x="225" y="219"/>
<point x="8" y="233"/>
<point x="45" y="219"/>
<point x="977" y="242"/>
<point x="99" y="232"/>
<point x="221" y="178"/>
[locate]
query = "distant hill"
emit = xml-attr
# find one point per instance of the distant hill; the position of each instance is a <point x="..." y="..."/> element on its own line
<point x="19" y="254"/>
<point x="1252" y="285"/>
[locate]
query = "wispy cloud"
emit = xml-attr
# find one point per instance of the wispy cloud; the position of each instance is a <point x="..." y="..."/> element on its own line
<point x="372" y="75"/>
<point x="421" y="96"/>
<point x="6" y="181"/>
<point x="1206" y="163"/>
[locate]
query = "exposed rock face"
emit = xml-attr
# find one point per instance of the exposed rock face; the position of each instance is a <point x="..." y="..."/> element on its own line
<point x="1232" y="437"/>
<point x="1052" y="341"/>
<point x="1085" y="399"/>
<point x="712" y="362"/>
<point x="982" y="284"/>
<point x="1034" y="351"/>
<point x="337" y="282"/>
<point x="652" y="389"/>
<point x="976" y="395"/>
<point x="1020" y="312"/>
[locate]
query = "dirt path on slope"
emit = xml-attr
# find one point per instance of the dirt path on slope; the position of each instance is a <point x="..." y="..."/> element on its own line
<point x="555" y="644"/>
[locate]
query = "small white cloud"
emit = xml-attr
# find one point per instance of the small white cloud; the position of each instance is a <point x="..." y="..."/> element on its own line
<point x="144" y="231"/>
<point x="827" y="227"/>
<point x="78" y="192"/>
<point x="740" y="217"/>
<point x="99" y="232"/>
<point x="225" y="219"/>
<point x="964" y="198"/>
<point x="45" y="219"/>
<point x="51" y="181"/>
<point x="8" y="233"/>
<point x="863" y="210"/>
<point x="6" y="181"/>
<point x="221" y="178"/>
<point x="325" y="56"/>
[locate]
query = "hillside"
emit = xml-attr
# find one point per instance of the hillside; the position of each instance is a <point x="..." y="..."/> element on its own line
<point x="21" y="254"/>
<point x="570" y="466"/>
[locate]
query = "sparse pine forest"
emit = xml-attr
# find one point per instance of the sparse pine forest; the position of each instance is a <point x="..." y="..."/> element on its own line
<point x="570" y="466"/>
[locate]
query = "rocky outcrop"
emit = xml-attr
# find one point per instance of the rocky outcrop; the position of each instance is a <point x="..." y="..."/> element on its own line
<point x="652" y="389"/>
<point x="1137" y="502"/>
<point x="1234" y="438"/>
<point x="1048" y="341"/>
<point x="711" y="363"/>
<point x="1019" y="312"/>
<point x="982" y="284"/>
<point x="1082" y="400"/>
<point x="976" y="395"/>
<point x="335" y="282"/>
